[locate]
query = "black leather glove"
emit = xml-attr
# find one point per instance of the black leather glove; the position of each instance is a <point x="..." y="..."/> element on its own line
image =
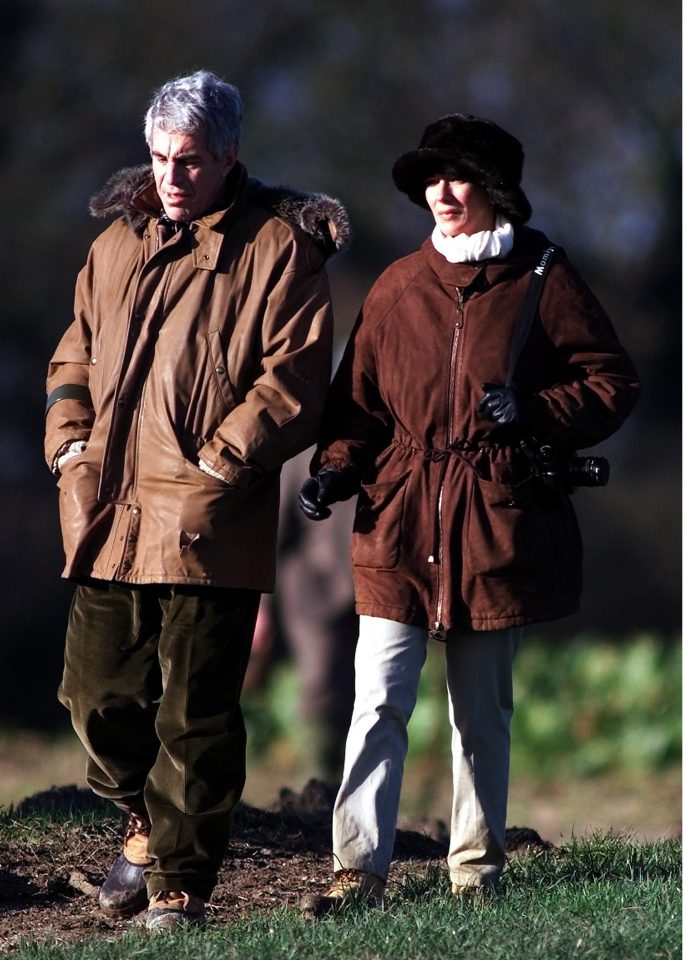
<point x="328" y="486"/>
<point x="503" y="406"/>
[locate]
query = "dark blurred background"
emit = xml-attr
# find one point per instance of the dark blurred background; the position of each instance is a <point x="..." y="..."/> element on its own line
<point x="334" y="92"/>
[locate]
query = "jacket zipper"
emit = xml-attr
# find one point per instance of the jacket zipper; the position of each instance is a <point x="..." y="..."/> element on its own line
<point x="436" y="555"/>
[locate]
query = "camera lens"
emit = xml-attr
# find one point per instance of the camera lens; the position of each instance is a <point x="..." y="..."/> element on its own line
<point x="589" y="471"/>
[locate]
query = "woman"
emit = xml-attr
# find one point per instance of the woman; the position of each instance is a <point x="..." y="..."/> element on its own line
<point x="461" y="531"/>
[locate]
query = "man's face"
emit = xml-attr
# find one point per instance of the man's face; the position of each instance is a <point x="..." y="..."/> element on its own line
<point x="189" y="178"/>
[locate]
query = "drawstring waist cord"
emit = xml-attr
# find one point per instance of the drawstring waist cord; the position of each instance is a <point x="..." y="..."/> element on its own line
<point x="459" y="448"/>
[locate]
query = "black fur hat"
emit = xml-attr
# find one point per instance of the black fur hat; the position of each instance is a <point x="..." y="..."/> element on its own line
<point x="471" y="149"/>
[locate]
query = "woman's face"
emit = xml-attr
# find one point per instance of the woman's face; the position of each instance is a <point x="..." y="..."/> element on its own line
<point x="459" y="207"/>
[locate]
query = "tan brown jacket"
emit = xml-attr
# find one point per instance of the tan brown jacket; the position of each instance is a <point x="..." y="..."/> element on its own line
<point x="451" y="528"/>
<point x="212" y="344"/>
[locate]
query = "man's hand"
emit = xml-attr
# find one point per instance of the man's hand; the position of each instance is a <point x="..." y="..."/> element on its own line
<point x="503" y="406"/>
<point x="328" y="486"/>
<point x="68" y="452"/>
<point x="205" y="468"/>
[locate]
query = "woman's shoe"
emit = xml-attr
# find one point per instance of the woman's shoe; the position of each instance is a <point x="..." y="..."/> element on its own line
<point x="348" y="886"/>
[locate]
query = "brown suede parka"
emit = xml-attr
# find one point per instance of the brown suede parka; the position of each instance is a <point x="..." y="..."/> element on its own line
<point x="213" y="343"/>
<point x="452" y="529"/>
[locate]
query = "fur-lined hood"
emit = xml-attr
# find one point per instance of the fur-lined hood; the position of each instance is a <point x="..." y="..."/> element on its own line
<point x="129" y="193"/>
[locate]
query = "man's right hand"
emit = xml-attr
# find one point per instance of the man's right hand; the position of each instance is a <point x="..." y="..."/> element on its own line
<point x="68" y="452"/>
<point x="328" y="486"/>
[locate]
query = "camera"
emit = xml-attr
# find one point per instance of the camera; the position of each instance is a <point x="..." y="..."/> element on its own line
<point x="588" y="471"/>
<point x="566" y="473"/>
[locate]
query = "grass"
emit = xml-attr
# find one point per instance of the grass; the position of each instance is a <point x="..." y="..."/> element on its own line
<point x="603" y="897"/>
<point x="588" y="708"/>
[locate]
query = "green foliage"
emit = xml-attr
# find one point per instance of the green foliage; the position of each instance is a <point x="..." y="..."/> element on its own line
<point x="602" y="898"/>
<point x="592" y="706"/>
<point x="271" y="713"/>
<point x="582" y="707"/>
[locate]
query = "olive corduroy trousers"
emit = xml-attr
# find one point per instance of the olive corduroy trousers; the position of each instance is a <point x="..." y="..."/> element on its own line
<point x="152" y="678"/>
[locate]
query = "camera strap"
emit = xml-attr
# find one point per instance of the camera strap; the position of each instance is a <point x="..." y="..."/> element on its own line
<point x="528" y="311"/>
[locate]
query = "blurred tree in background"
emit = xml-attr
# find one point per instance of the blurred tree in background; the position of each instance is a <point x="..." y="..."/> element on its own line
<point x="333" y="93"/>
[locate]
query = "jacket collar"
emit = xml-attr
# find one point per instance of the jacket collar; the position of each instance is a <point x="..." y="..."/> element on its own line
<point x="525" y="254"/>
<point x="131" y="193"/>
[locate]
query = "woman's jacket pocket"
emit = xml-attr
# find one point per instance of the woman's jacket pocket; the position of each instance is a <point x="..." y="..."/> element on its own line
<point x="518" y="530"/>
<point x="378" y="525"/>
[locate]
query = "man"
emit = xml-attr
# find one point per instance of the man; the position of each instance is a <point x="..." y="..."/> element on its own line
<point x="197" y="363"/>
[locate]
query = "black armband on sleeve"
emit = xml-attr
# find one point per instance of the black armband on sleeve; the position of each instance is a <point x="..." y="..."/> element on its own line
<point x="69" y="391"/>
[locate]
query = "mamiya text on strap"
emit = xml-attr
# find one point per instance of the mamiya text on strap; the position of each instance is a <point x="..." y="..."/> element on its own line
<point x="544" y="262"/>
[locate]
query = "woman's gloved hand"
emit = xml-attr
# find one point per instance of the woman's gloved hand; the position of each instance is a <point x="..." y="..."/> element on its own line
<point x="328" y="486"/>
<point x="503" y="405"/>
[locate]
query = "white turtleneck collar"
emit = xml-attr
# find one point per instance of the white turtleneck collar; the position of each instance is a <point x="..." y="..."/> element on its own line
<point x="485" y="245"/>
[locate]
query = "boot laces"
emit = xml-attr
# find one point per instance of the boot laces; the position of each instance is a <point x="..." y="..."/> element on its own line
<point x="137" y="824"/>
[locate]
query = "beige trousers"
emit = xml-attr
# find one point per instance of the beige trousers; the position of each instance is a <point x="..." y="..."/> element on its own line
<point x="389" y="659"/>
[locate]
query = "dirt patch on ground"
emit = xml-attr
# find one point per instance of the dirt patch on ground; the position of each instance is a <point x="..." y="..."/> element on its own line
<point x="49" y="886"/>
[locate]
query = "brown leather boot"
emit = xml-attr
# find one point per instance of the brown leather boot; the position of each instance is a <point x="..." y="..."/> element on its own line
<point x="348" y="886"/>
<point x="171" y="909"/>
<point x="474" y="893"/>
<point x="124" y="892"/>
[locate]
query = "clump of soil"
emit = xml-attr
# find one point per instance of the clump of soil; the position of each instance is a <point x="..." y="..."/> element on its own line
<point x="49" y="885"/>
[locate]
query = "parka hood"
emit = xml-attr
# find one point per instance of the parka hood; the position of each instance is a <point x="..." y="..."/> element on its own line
<point x="128" y="192"/>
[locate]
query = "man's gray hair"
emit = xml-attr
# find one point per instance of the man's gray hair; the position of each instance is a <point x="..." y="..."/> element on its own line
<point x="200" y="102"/>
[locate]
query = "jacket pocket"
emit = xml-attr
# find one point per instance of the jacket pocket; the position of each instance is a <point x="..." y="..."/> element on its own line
<point x="517" y="530"/>
<point x="377" y="537"/>
<point x="79" y="509"/>
<point x="205" y="504"/>
<point x="219" y="363"/>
